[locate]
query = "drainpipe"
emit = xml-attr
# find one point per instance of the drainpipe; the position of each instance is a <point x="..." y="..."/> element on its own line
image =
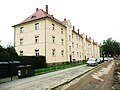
<point x="45" y="38"/>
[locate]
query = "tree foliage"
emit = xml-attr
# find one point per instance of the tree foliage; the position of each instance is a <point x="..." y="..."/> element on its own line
<point x="110" y="46"/>
<point x="7" y="52"/>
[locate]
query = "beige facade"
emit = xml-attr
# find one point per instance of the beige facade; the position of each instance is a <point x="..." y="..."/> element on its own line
<point x="42" y="34"/>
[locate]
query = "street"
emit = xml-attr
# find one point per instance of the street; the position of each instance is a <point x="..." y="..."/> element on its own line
<point x="98" y="79"/>
<point x="46" y="81"/>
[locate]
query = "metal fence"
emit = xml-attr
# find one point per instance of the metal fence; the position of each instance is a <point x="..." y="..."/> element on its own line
<point x="8" y="69"/>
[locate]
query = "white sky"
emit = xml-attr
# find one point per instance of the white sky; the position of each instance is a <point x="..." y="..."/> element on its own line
<point x="99" y="19"/>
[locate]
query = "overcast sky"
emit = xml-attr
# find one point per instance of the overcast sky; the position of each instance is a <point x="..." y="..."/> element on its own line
<point x="98" y="19"/>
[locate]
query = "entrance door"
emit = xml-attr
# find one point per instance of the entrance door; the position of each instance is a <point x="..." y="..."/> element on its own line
<point x="70" y="58"/>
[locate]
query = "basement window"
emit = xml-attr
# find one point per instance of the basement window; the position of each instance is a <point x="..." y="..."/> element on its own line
<point x="21" y="53"/>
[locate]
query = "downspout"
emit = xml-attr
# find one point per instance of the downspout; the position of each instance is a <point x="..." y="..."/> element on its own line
<point x="45" y="39"/>
<point x="14" y="35"/>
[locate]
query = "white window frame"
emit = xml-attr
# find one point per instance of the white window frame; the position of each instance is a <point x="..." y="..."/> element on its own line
<point x="77" y="54"/>
<point x="69" y="48"/>
<point x="77" y="46"/>
<point x="53" y="52"/>
<point x="36" y="26"/>
<point x="62" y="53"/>
<point x="36" y="39"/>
<point x="72" y="35"/>
<point x="62" y="31"/>
<point x="21" y="29"/>
<point x="36" y="52"/>
<point x="21" y="52"/>
<point x="53" y="26"/>
<point x="69" y="38"/>
<point x="21" y="41"/>
<point x="53" y="39"/>
<point x="73" y="44"/>
<point x="62" y="41"/>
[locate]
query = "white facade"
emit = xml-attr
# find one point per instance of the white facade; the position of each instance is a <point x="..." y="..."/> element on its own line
<point x="56" y="40"/>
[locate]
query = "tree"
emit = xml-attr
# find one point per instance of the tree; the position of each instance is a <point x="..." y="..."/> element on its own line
<point x="109" y="46"/>
<point x="7" y="52"/>
<point x="11" y="51"/>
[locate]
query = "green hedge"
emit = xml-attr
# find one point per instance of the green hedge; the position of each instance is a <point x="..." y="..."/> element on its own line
<point x="36" y="61"/>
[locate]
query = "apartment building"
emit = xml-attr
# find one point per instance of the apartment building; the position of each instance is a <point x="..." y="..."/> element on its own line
<point x="43" y="34"/>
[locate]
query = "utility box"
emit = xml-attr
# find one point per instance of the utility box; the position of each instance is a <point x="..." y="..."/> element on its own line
<point x="22" y="71"/>
<point x="25" y="71"/>
<point x="29" y="70"/>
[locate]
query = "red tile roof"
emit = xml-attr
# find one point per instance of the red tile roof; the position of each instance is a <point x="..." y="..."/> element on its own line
<point x="94" y="43"/>
<point x="77" y="33"/>
<point x="64" y="22"/>
<point x="89" y="40"/>
<point x="38" y="15"/>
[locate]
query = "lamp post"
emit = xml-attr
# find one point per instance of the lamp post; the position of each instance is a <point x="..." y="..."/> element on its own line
<point x="11" y="69"/>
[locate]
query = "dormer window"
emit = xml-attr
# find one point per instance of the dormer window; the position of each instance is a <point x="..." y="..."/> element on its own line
<point x="33" y="17"/>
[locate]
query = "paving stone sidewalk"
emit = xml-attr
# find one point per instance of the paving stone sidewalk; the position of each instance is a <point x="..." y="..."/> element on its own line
<point x="46" y="81"/>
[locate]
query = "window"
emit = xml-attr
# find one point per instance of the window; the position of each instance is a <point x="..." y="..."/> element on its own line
<point x="61" y="30"/>
<point x="77" y="46"/>
<point x="37" y="26"/>
<point x="21" y="41"/>
<point x="69" y="38"/>
<point x="53" y="52"/>
<point x="53" y="39"/>
<point x="79" y="39"/>
<point x="62" y="53"/>
<point x="72" y="44"/>
<point x="76" y="37"/>
<point x="33" y="17"/>
<point x="21" y="53"/>
<point x="80" y="55"/>
<point x="37" y="52"/>
<point x="21" y="29"/>
<point x="72" y="35"/>
<point x="77" y="54"/>
<point x="36" y="39"/>
<point x="62" y="41"/>
<point x="73" y="53"/>
<point x="53" y="26"/>
<point x="69" y="48"/>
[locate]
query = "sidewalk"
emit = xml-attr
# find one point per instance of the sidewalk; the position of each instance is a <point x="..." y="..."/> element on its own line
<point x="46" y="81"/>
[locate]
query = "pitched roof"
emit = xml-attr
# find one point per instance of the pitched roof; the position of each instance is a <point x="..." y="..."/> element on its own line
<point x="89" y="40"/>
<point x="38" y="15"/>
<point x="77" y="33"/>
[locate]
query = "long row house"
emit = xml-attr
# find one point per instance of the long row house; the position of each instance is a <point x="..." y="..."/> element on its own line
<point x="43" y="34"/>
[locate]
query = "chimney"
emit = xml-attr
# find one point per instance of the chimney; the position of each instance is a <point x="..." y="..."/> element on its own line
<point x="93" y="40"/>
<point x="37" y="9"/>
<point x="78" y="31"/>
<point x="64" y="19"/>
<point x="90" y="38"/>
<point x="73" y="28"/>
<point x="86" y="36"/>
<point x="47" y="9"/>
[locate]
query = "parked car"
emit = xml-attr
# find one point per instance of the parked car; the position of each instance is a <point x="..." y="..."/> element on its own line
<point x="98" y="60"/>
<point x="101" y="58"/>
<point x="92" y="62"/>
<point x="105" y="59"/>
